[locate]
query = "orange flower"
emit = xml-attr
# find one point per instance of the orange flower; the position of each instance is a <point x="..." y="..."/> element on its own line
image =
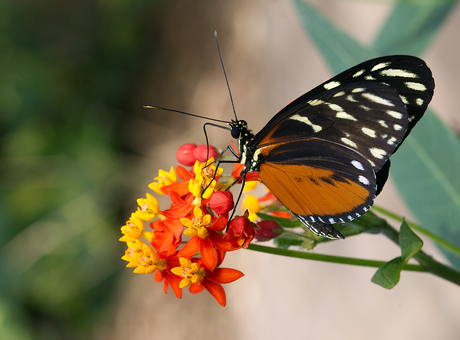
<point x="203" y="234"/>
<point x="198" y="277"/>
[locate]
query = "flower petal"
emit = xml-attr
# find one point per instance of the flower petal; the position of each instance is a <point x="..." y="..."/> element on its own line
<point x="190" y="248"/>
<point x="224" y="275"/>
<point x="216" y="290"/>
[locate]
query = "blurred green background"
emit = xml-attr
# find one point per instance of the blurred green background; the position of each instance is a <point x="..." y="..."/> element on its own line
<point x="77" y="149"/>
<point x="70" y="74"/>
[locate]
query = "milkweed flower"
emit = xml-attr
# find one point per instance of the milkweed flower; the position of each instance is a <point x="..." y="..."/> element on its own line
<point x="199" y="209"/>
<point x="196" y="276"/>
<point x="164" y="178"/>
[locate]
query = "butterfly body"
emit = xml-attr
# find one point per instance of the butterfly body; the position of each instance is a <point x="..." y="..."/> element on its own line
<point x="326" y="155"/>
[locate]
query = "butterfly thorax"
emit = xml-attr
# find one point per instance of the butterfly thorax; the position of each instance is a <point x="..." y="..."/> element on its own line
<point x="241" y="132"/>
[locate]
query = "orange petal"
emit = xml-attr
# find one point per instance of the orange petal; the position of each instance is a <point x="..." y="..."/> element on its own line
<point x="224" y="275"/>
<point x="191" y="248"/>
<point x="217" y="291"/>
<point x="177" y="212"/>
<point x="208" y="253"/>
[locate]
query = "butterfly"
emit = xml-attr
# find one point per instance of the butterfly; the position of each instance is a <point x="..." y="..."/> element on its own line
<point x="325" y="156"/>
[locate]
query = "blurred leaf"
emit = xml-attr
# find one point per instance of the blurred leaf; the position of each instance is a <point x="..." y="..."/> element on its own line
<point x="409" y="242"/>
<point x="388" y="275"/>
<point x="411" y="27"/>
<point x="338" y="49"/>
<point x="426" y="171"/>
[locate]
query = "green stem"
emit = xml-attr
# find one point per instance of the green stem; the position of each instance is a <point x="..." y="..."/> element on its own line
<point x="447" y="245"/>
<point x="431" y="265"/>
<point x="328" y="258"/>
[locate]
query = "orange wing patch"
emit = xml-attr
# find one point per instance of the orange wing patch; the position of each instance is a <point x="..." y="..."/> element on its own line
<point x="316" y="192"/>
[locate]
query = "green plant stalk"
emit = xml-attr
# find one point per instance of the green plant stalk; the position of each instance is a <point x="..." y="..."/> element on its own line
<point x="427" y="263"/>
<point x="431" y="265"/>
<point x="447" y="245"/>
<point x="329" y="258"/>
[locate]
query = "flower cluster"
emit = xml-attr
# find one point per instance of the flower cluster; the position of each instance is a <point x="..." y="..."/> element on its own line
<point x="200" y="208"/>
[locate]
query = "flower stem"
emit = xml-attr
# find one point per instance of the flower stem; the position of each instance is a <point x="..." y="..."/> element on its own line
<point x="328" y="258"/>
<point x="447" y="245"/>
<point x="431" y="265"/>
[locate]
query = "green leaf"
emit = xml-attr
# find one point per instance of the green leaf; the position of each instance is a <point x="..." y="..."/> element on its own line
<point x="388" y="275"/>
<point x="339" y="49"/>
<point x="426" y="171"/>
<point x="409" y="242"/>
<point x="284" y="241"/>
<point x="411" y="26"/>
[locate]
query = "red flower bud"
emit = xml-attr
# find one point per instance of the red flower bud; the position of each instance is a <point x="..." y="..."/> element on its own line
<point x="267" y="230"/>
<point x="240" y="232"/>
<point x="221" y="202"/>
<point x="184" y="154"/>
<point x="200" y="153"/>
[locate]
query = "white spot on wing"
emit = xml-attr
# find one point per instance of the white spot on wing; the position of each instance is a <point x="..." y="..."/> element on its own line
<point x="394" y="114"/>
<point x="344" y="115"/>
<point x="392" y="72"/>
<point x="397" y="127"/>
<point x="338" y="94"/>
<point x="404" y="99"/>
<point x="376" y="99"/>
<point x="357" y="165"/>
<point x="335" y="107"/>
<point x="350" y="98"/>
<point x="415" y="86"/>
<point x="358" y="90"/>
<point x="378" y="153"/>
<point x="348" y="142"/>
<point x="369" y="132"/>
<point x="369" y="77"/>
<point x="305" y="120"/>
<point x="380" y="66"/>
<point x="331" y="85"/>
<point x="357" y="74"/>
<point x="382" y="123"/>
<point x="419" y="101"/>
<point x="392" y="141"/>
<point x="315" y="102"/>
<point x="364" y="180"/>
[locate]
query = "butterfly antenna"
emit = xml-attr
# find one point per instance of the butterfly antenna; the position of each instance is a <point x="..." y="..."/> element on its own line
<point x="225" y="75"/>
<point x="188" y="114"/>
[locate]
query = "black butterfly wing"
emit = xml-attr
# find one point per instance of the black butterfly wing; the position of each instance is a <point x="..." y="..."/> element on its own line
<point x="316" y="143"/>
<point x="368" y="117"/>
<point x="408" y="75"/>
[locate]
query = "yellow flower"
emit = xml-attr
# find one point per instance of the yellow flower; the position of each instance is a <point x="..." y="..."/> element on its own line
<point x="197" y="225"/>
<point x="191" y="272"/>
<point x="133" y="249"/>
<point x="164" y="178"/>
<point x="132" y="229"/>
<point x="148" y="261"/>
<point x="204" y="179"/>
<point x="251" y="204"/>
<point x="148" y="208"/>
<point x="250" y="185"/>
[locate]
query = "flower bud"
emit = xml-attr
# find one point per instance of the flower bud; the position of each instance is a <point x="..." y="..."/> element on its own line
<point x="267" y="230"/>
<point x="241" y="231"/>
<point x="185" y="154"/>
<point x="200" y="153"/>
<point x="221" y="202"/>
